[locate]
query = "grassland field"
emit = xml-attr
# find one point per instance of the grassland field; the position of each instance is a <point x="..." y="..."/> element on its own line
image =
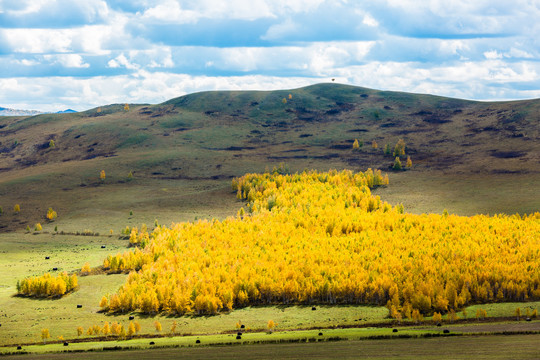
<point x="183" y="155"/>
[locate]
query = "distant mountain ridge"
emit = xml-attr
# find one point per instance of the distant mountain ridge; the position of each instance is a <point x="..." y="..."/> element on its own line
<point x="17" y="112"/>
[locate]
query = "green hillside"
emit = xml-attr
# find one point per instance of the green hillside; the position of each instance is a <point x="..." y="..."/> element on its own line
<point x="182" y="153"/>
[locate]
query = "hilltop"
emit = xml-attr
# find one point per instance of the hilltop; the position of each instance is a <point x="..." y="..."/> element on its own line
<point x="469" y="157"/>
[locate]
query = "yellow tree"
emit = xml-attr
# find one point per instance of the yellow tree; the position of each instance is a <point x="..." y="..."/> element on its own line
<point x="106" y="330"/>
<point x="399" y="149"/>
<point x="131" y="329"/>
<point x="45" y="335"/>
<point x="85" y="270"/>
<point x="173" y="327"/>
<point x="126" y="107"/>
<point x="271" y="325"/>
<point x="104" y="303"/>
<point x="51" y="214"/>
<point x="374" y="144"/>
<point x="52" y="144"/>
<point x="397" y="164"/>
<point x="17" y="208"/>
<point x="80" y="330"/>
<point x="157" y="325"/>
<point x="437" y="318"/>
<point x="356" y="144"/>
<point x="102" y="175"/>
<point x="38" y="227"/>
<point x="409" y="162"/>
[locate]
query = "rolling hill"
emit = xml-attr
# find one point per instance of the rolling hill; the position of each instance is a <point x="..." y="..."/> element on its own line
<point x="469" y="157"/>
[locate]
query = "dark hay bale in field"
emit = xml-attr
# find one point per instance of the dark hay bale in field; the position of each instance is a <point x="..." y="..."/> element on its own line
<point x="79" y="306"/>
<point x="54" y="269"/>
<point x="103" y="246"/>
<point x="314" y="308"/>
<point x="66" y="343"/>
<point x="439" y="324"/>
<point x="197" y="341"/>
<point x="47" y="257"/>
<point x="19" y="347"/>
<point x="242" y="326"/>
<point x="238" y="337"/>
<point x="239" y="333"/>
<point x="132" y="318"/>
<point x="527" y="319"/>
<point x="320" y="334"/>
<point x="446" y="331"/>
<point x="152" y="343"/>
<point x="394" y="330"/>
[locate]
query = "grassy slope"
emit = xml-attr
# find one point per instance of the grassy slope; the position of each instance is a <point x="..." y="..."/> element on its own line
<point x="468" y="157"/>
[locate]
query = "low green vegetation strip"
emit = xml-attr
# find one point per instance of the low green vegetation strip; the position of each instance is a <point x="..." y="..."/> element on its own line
<point x="448" y="347"/>
<point x="249" y="338"/>
<point x="227" y="339"/>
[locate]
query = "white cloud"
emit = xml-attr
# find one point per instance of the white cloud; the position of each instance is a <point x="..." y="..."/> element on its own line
<point x="492" y="54"/>
<point x="281" y="30"/>
<point x="370" y="21"/>
<point x="473" y="49"/>
<point x="517" y="53"/>
<point x="122" y="61"/>
<point x="171" y="11"/>
<point x="67" y="60"/>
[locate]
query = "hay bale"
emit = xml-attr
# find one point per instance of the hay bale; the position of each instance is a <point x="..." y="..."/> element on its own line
<point x="54" y="269"/>
<point x="132" y="318"/>
<point x="66" y="343"/>
<point x="79" y="306"/>
<point x="320" y="334"/>
<point x="242" y="326"/>
<point x="394" y="330"/>
<point x="197" y="341"/>
<point x="239" y="333"/>
<point x="238" y="337"/>
<point x="446" y="331"/>
<point x="313" y="308"/>
<point x="47" y="257"/>
<point x="103" y="246"/>
<point x="152" y="343"/>
<point x="19" y="347"/>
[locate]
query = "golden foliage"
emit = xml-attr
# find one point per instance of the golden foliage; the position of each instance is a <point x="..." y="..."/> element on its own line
<point x="51" y="214"/>
<point x="86" y="269"/>
<point x="47" y="285"/>
<point x="323" y="238"/>
<point x="45" y="334"/>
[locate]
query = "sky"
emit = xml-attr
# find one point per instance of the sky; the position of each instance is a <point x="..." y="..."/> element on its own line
<point x="79" y="54"/>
